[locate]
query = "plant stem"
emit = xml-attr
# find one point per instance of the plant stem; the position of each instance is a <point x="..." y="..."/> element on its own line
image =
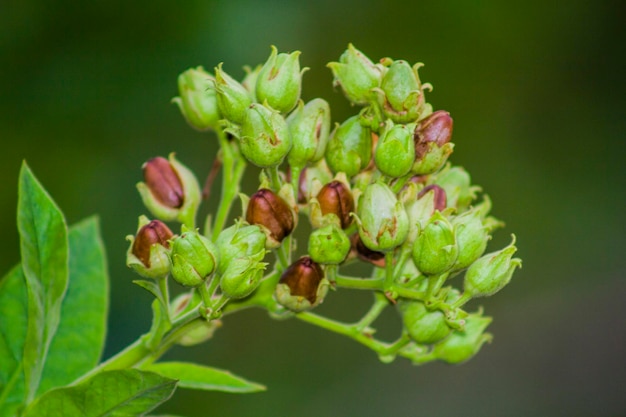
<point x="359" y="283"/>
<point x="380" y="303"/>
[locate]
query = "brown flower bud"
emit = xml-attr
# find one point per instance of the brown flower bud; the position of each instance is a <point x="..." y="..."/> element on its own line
<point x="335" y="198"/>
<point x="303" y="278"/>
<point x="439" y="200"/>
<point x="272" y="212"/>
<point x="163" y="182"/>
<point x="155" y="232"/>
<point x="366" y="254"/>
<point x="435" y="128"/>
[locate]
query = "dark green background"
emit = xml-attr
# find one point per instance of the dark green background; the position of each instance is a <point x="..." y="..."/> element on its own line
<point x="537" y="95"/>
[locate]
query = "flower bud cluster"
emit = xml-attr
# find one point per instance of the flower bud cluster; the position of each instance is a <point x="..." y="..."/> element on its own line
<point x="377" y="189"/>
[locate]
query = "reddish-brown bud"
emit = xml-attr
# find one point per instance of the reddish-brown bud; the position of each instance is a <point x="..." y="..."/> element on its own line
<point x="303" y="278"/>
<point x="155" y="232"/>
<point x="335" y="198"/>
<point x="272" y="212"/>
<point x="439" y="198"/>
<point x="366" y="254"/>
<point x="163" y="182"/>
<point x="435" y="128"/>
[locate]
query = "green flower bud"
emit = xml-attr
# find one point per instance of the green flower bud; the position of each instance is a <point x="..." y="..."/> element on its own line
<point x="462" y="345"/>
<point x="279" y="81"/>
<point x="242" y="277"/>
<point x="492" y="272"/>
<point x="349" y="149"/>
<point x="240" y="241"/>
<point x="232" y="98"/>
<point x="170" y="191"/>
<point x="329" y="245"/>
<point x="366" y="254"/>
<point x="336" y="199"/>
<point x="302" y="285"/>
<point x="395" y="151"/>
<point x="149" y="249"/>
<point x="400" y="95"/>
<point x="356" y="75"/>
<point x="197" y="99"/>
<point x="309" y="127"/>
<point x="435" y="249"/>
<point x="457" y="183"/>
<point x="194" y="258"/>
<point x="471" y="237"/>
<point x="265" y="139"/>
<point x="429" y="199"/>
<point x="383" y="222"/>
<point x="423" y="326"/>
<point x="273" y="214"/>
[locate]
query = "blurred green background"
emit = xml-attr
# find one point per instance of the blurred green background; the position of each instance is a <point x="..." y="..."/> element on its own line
<point x="537" y="94"/>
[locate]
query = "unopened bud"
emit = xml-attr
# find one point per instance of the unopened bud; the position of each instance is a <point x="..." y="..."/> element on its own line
<point x="490" y="273"/>
<point x="232" y="98"/>
<point x="197" y="99"/>
<point x="423" y="326"/>
<point x="194" y="258"/>
<point x="242" y="277"/>
<point x="270" y="211"/>
<point x="356" y="75"/>
<point x="302" y="285"/>
<point x="240" y="241"/>
<point x="432" y="142"/>
<point x="435" y="249"/>
<point x="265" y="139"/>
<point x="471" y="237"/>
<point x="461" y="345"/>
<point x="383" y="222"/>
<point x="149" y="249"/>
<point x="170" y="190"/>
<point x="349" y="149"/>
<point x="329" y="245"/>
<point x="400" y="95"/>
<point x="249" y="81"/>
<point x="279" y="81"/>
<point x="309" y="127"/>
<point x="395" y="151"/>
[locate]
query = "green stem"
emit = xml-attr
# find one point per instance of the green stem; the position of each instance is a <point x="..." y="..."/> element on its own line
<point x="274" y="177"/>
<point x="380" y="303"/>
<point x="389" y="277"/>
<point x="232" y="172"/>
<point x="165" y="297"/>
<point x="359" y="283"/>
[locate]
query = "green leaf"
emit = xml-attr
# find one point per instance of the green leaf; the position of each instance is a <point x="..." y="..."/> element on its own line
<point x="13" y="324"/>
<point x="195" y="376"/>
<point x="44" y="249"/>
<point x="79" y="339"/>
<point x="149" y="286"/>
<point x="119" y="393"/>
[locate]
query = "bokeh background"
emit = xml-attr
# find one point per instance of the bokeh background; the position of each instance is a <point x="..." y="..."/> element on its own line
<point x="537" y="94"/>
